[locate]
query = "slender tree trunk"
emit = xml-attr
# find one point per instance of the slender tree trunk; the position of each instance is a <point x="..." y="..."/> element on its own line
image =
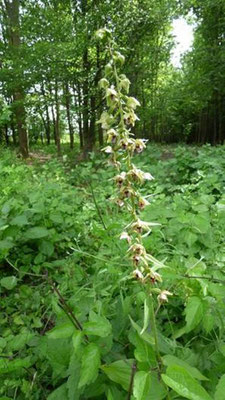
<point x="6" y="135"/>
<point x="57" y="120"/>
<point x="71" y="132"/>
<point x="80" y="125"/>
<point x="47" y="122"/>
<point x="86" y="134"/>
<point x="12" y="9"/>
<point x="13" y="133"/>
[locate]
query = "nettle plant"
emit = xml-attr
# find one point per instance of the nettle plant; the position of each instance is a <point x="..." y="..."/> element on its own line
<point x="117" y="122"/>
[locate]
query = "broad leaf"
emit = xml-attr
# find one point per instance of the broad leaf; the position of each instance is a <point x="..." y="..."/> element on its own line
<point x="119" y="372"/>
<point x="90" y="365"/>
<point x="142" y="382"/>
<point x="178" y="379"/>
<point x="9" y="282"/>
<point x="194" y="313"/>
<point x="37" y="232"/>
<point x="220" y="389"/>
<point x="59" y="394"/>
<point x="98" y="326"/>
<point x="194" y="372"/>
<point x="62" y="331"/>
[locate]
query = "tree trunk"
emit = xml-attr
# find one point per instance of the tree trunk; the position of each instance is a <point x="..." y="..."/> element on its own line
<point x="80" y="125"/>
<point x="12" y="9"/>
<point x="47" y="122"/>
<point x="57" y="120"/>
<point x="67" y="98"/>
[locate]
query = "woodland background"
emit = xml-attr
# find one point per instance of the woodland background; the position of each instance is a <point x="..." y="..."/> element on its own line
<point x="50" y="65"/>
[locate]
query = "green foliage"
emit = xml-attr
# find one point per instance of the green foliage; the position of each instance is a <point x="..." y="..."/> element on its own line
<point x="45" y="354"/>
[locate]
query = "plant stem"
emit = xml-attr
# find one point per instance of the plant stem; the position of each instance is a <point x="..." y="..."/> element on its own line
<point x="154" y="329"/>
<point x="134" y="368"/>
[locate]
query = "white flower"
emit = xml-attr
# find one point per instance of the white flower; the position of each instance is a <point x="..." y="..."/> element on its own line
<point x="108" y="149"/>
<point x="138" y="274"/>
<point x="124" y="235"/>
<point x="163" y="296"/>
<point x="147" y="176"/>
<point x="142" y="203"/>
<point x="112" y="135"/>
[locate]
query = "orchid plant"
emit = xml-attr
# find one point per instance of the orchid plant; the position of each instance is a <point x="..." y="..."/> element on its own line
<point x="117" y="123"/>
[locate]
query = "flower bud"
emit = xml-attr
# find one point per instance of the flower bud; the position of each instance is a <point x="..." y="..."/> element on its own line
<point x="118" y="57"/>
<point x="132" y="102"/>
<point x="103" y="83"/>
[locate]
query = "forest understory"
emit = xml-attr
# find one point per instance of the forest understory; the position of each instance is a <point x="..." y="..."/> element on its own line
<point x="71" y="312"/>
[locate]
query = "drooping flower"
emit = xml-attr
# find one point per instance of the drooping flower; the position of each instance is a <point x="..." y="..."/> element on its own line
<point x="120" y="178"/>
<point x="142" y="203"/>
<point x="138" y="275"/>
<point x="163" y="296"/>
<point x="112" y="136"/>
<point x="138" y="249"/>
<point x="105" y="120"/>
<point x="125" y="236"/>
<point x="139" y="145"/>
<point x="139" y="226"/>
<point x="108" y="150"/>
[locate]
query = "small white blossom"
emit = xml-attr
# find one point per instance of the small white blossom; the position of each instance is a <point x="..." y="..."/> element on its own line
<point x="138" y="274"/>
<point x="163" y="296"/>
<point x="124" y="235"/>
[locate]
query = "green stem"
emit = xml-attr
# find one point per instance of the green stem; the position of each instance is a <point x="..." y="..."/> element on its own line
<point x="154" y="329"/>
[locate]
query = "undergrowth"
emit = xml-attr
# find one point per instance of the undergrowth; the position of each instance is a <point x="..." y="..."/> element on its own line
<point x="64" y="283"/>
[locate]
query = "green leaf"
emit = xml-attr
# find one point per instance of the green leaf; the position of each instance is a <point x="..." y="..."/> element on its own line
<point x="36" y="232"/>
<point x="7" y="366"/>
<point x="119" y="372"/>
<point x="194" y="372"/>
<point x="178" y="379"/>
<point x="20" y="220"/>
<point x="142" y="382"/>
<point x="46" y="248"/>
<point x="220" y="389"/>
<point x="98" y="326"/>
<point x="62" y="331"/>
<point x="59" y="394"/>
<point x="90" y="365"/>
<point x="77" y="340"/>
<point x="9" y="282"/>
<point x="194" y="313"/>
<point x="73" y="380"/>
<point x="145" y="336"/>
